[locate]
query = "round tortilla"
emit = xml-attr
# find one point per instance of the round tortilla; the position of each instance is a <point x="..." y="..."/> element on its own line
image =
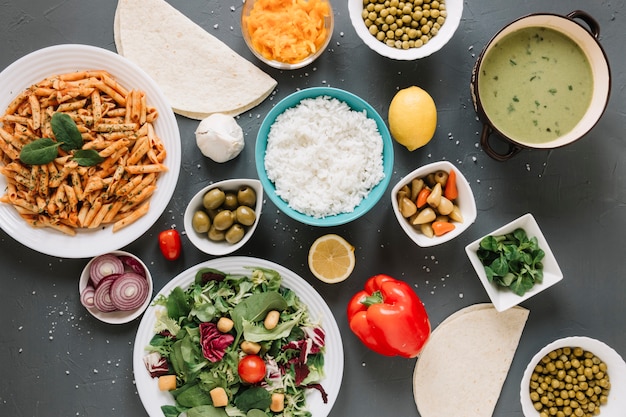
<point x="467" y="357"/>
<point x="199" y="74"/>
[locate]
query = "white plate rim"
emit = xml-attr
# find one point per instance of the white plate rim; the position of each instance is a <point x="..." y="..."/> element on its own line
<point x="147" y="387"/>
<point x="57" y="59"/>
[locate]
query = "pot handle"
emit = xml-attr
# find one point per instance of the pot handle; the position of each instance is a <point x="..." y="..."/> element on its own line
<point x="484" y="142"/>
<point x="590" y="21"/>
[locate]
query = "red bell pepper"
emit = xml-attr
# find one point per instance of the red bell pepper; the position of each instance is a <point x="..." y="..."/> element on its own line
<point x="389" y="318"/>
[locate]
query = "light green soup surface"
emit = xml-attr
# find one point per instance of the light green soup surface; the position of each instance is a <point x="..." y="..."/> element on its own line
<point x="535" y="85"/>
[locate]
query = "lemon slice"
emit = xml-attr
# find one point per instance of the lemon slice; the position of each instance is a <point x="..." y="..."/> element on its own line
<point x="331" y="258"/>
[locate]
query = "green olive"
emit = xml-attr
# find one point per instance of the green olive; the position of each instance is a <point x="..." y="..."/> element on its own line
<point x="201" y="222"/>
<point x="213" y="199"/>
<point x="234" y="234"/>
<point x="245" y="215"/>
<point x="224" y="219"/>
<point x="246" y="196"/>
<point x="216" y="235"/>
<point x="230" y="201"/>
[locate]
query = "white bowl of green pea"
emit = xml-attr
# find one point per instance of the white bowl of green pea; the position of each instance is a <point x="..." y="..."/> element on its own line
<point x="573" y="376"/>
<point x="221" y="217"/>
<point x="405" y="30"/>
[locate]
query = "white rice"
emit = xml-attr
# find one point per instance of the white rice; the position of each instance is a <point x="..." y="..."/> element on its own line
<point x="323" y="157"/>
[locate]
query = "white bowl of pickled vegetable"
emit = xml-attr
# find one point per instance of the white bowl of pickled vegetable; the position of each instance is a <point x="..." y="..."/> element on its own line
<point x="574" y="376"/>
<point x="222" y="216"/>
<point x="115" y="287"/>
<point x="514" y="262"/>
<point x="434" y="204"/>
<point x="405" y="30"/>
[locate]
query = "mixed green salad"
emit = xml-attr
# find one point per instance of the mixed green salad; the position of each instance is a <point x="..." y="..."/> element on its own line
<point x="214" y="367"/>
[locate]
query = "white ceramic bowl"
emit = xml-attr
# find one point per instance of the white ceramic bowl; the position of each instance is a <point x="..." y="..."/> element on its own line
<point x="616" y="368"/>
<point x="329" y="23"/>
<point x="503" y="298"/>
<point x="356" y="104"/>
<point x="200" y="240"/>
<point x="454" y="9"/>
<point x="117" y="317"/>
<point x="465" y="201"/>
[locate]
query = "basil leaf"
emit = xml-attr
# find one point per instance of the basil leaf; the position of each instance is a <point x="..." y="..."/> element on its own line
<point x="87" y="157"/>
<point x="66" y="132"/>
<point x="39" y="152"/>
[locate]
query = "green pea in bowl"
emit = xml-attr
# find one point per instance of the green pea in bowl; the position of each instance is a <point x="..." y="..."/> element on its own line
<point x="615" y="403"/>
<point x="406" y="34"/>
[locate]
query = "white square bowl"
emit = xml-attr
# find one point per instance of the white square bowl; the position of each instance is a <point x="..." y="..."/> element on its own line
<point x="503" y="298"/>
<point x="465" y="201"/>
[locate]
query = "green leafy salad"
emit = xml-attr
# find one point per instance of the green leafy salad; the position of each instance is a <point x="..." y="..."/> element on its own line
<point x="236" y="345"/>
<point x="512" y="260"/>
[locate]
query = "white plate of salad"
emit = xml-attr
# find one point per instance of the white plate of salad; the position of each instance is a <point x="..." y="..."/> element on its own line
<point x="217" y="288"/>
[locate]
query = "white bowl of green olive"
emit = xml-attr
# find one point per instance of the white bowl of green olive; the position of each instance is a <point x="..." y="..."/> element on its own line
<point x="405" y="30"/>
<point x="574" y="376"/>
<point x="434" y="203"/>
<point x="222" y="216"/>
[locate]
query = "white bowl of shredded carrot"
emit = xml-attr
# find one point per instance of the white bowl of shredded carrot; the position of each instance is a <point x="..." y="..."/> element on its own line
<point x="287" y="34"/>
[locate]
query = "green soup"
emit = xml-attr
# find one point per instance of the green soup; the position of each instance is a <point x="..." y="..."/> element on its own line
<point x="535" y="84"/>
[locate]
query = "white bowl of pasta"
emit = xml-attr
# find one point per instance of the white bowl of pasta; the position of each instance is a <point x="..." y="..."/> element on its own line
<point x="103" y="189"/>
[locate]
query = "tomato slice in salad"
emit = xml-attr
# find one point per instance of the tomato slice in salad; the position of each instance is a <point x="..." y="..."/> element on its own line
<point x="251" y="369"/>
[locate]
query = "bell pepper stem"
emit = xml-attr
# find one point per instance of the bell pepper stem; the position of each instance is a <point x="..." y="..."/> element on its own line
<point x="375" y="298"/>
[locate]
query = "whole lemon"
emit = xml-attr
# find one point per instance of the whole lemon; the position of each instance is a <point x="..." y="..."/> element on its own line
<point x="412" y="117"/>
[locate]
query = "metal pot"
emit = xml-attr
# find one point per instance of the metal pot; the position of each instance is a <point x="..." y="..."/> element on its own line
<point x="587" y="39"/>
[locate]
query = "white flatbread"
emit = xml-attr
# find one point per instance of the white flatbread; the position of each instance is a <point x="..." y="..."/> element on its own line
<point x="199" y="74"/>
<point x="461" y="371"/>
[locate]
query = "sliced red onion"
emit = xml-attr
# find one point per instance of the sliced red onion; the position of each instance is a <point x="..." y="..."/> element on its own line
<point x="133" y="264"/>
<point x="102" y="295"/>
<point x="104" y="265"/>
<point x="87" y="296"/>
<point x="129" y="291"/>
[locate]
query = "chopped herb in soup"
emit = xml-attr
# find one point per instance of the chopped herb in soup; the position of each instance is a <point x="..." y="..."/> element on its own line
<point x="535" y="84"/>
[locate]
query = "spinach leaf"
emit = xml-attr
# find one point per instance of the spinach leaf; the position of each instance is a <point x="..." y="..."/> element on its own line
<point x="512" y="260"/>
<point x="193" y="397"/>
<point x="172" y="410"/>
<point x="255" y="397"/>
<point x="177" y="305"/>
<point x="258" y="333"/>
<point x="39" y="152"/>
<point x="206" y="411"/>
<point x="256" y="306"/>
<point x="66" y="132"/>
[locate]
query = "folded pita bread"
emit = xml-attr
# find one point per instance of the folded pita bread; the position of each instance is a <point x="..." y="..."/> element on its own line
<point x="199" y="74"/>
<point x="461" y="371"/>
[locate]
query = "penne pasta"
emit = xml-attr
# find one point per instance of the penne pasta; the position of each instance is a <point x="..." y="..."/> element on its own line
<point x="114" y="121"/>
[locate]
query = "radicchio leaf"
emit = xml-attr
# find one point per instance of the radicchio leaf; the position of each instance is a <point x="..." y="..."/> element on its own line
<point x="213" y="342"/>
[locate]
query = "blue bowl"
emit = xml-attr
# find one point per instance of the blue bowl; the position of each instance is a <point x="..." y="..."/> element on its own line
<point x="355" y="103"/>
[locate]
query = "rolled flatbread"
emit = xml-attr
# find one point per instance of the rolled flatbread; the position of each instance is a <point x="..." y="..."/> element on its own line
<point x="198" y="73"/>
<point x="461" y="371"/>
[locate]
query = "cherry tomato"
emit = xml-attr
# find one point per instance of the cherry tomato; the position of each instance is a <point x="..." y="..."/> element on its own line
<point x="169" y="242"/>
<point x="251" y="369"/>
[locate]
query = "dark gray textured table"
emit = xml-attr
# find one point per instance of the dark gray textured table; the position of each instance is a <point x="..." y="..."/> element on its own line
<point x="59" y="361"/>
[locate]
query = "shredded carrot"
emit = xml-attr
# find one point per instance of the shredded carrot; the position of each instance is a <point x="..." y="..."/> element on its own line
<point x="287" y="30"/>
